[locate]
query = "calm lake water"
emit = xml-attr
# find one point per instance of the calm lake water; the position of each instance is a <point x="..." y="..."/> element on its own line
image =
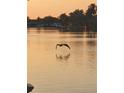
<point x="62" y="70"/>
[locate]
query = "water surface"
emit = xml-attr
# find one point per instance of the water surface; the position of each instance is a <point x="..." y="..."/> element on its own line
<point x="73" y="71"/>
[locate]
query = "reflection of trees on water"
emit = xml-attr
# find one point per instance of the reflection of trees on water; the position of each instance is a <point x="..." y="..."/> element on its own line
<point x="91" y="43"/>
<point x="38" y="29"/>
<point x="91" y="35"/>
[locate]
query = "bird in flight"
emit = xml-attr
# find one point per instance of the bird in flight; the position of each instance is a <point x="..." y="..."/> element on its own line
<point x="60" y="45"/>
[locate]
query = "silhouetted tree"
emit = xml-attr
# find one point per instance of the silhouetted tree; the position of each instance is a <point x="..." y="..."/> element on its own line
<point x="49" y="20"/>
<point x="28" y="18"/>
<point x="92" y="10"/>
<point x="91" y="17"/>
<point x="38" y="18"/>
<point x="64" y="19"/>
<point x="76" y="17"/>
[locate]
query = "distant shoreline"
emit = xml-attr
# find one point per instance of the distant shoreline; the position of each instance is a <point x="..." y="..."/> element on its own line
<point x="90" y="34"/>
<point x="78" y="20"/>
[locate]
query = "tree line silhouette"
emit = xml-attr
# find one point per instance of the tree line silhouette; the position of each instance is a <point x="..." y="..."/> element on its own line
<point x="78" y="20"/>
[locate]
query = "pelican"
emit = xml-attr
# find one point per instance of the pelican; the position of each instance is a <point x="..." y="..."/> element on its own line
<point x="63" y="45"/>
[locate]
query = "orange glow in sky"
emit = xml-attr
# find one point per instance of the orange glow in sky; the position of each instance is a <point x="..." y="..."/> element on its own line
<point x="43" y="8"/>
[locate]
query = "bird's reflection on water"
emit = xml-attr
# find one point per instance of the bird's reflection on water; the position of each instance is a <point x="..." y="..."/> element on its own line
<point x="62" y="58"/>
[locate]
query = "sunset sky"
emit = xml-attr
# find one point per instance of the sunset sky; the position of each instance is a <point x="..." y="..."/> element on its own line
<point x="43" y="8"/>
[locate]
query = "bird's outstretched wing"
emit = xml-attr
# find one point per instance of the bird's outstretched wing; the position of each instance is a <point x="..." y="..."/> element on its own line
<point x="57" y="45"/>
<point x="67" y="46"/>
<point x="63" y="45"/>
